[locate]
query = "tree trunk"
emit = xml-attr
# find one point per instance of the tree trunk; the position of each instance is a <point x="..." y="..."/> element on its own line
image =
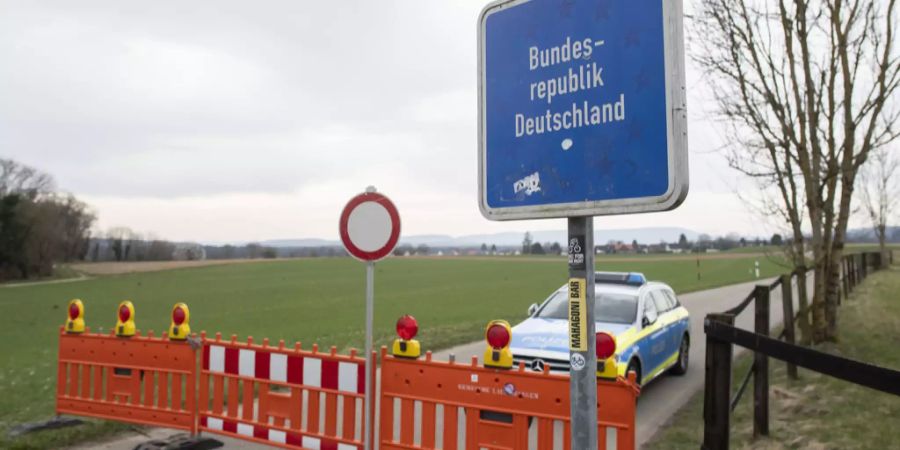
<point x="803" y="302"/>
<point x="819" y="322"/>
<point x="833" y="291"/>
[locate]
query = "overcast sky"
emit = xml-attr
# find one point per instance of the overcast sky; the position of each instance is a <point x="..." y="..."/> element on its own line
<point x="238" y="121"/>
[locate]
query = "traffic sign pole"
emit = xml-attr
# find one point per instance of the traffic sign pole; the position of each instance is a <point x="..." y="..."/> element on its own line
<point x="370" y="228"/>
<point x="582" y="345"/>
<point x="370" y="314"/>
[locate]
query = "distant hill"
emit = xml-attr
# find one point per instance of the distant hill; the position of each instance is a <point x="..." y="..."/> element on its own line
<point x="650" y="235"/>
<point x="311" y="242"/>
<point x="868" y="234"/>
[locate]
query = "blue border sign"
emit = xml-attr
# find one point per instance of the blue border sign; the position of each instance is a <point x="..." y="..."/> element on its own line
<point x="581" y="108"/>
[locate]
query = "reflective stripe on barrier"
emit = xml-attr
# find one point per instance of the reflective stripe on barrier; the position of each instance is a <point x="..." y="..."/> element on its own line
<point x="285" y="397"/>
<point x="428" y="404"/>
<point x="136" y="379"/>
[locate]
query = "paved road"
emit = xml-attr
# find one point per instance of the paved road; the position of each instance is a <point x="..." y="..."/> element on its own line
<point x="667" y="394"/>
<point x="659" y="400"/>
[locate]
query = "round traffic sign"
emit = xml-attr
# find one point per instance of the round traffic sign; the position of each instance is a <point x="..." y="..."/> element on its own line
<point x="370" y="226"/>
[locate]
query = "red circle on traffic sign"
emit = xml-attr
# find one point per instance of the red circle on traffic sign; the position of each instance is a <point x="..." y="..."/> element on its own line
<point x="375" y="229"/>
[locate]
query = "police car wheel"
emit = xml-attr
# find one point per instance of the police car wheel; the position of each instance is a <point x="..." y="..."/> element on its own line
<point x="681" y="365"/>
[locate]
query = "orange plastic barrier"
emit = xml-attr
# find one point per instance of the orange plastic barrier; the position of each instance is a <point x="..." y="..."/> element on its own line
<point x="298" y="399"/>
<point x="280" y="396"/>
<point x="427" y="404"/>
<point x="139" y="379"/>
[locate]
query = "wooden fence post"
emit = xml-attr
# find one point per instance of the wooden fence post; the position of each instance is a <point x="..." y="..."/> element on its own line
<point x="717" y="389"/>
<point x="787" y="302"/>
<point x="845" y="275"/>
<point x="761" y="364"/>
<point x="853" y="272"/>
<point x="864" y="265"/>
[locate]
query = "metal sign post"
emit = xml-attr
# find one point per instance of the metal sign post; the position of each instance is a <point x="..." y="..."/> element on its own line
<point x="370" y="314"/>
<point x="369" y="228"/>
<point x="582" y="345"/>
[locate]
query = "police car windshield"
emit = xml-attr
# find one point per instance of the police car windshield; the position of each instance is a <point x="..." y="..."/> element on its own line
<point x="611" y="307"/>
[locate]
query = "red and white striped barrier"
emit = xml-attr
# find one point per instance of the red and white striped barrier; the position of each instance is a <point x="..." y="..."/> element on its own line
<point x="271" y="436"/>
<point x="289" y="369"/>
<point x="303" y="399"/>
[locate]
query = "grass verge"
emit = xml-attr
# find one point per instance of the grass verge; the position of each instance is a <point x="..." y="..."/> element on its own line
<point x="817" y="411"/>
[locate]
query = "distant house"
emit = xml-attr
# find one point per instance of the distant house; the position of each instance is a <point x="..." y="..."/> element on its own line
<point x="619" y="247"/>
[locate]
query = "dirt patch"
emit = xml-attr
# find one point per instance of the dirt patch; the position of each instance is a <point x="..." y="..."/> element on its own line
<point x="115" y="268"/>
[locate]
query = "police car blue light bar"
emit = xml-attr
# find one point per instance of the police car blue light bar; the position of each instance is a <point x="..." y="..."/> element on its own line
<point x="628" y="278"/>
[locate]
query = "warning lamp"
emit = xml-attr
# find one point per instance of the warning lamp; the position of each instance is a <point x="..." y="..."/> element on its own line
<point x="405" y="346"/>
<point x="606" y="352"/>
<point x="125" y="324"/>
<point x="180" y="328"/>
<point x="497" y="354"/>
<point x="75" y="318"/>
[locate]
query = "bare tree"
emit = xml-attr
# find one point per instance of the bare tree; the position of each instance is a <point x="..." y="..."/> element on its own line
<point x="16" y="178"/>
<point x="74" y="219"/>
<point x="38" y="227"/>
<point x="254" y="250"/>
<point x="804" y="88"/>
<point x="879" y="194"/>
<point x="120" y="242"/>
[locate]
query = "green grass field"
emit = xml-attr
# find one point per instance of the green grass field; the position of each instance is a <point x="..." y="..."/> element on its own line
<point x="307" y="300"/>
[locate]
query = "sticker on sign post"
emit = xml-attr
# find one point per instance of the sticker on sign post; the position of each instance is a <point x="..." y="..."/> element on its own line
<point x="576" y="252"/>
<point x="577" y="361"/>
<point x="577" y="315"/>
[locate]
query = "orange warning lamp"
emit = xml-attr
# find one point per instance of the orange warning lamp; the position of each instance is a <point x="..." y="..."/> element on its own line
<point x="75" y="318"/>
<point x="125" y="324"/>
<point x="497" y="354"/>
<point x="180" y="328"/>
<point x="405" y="346"/>
<point x="606" y="356"/>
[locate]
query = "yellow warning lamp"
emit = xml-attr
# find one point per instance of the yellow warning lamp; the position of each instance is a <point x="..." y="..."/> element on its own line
<point x="180" y="328"/>
<point x="497" y="354"/>
<point x="606" y="356"/>
<point x="125" y="325"/>
<point x="75" y="319"/>
<point x="405" y="346"/>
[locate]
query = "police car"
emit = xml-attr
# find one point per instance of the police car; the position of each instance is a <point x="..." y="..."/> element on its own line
<point x="651" y="328"/>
